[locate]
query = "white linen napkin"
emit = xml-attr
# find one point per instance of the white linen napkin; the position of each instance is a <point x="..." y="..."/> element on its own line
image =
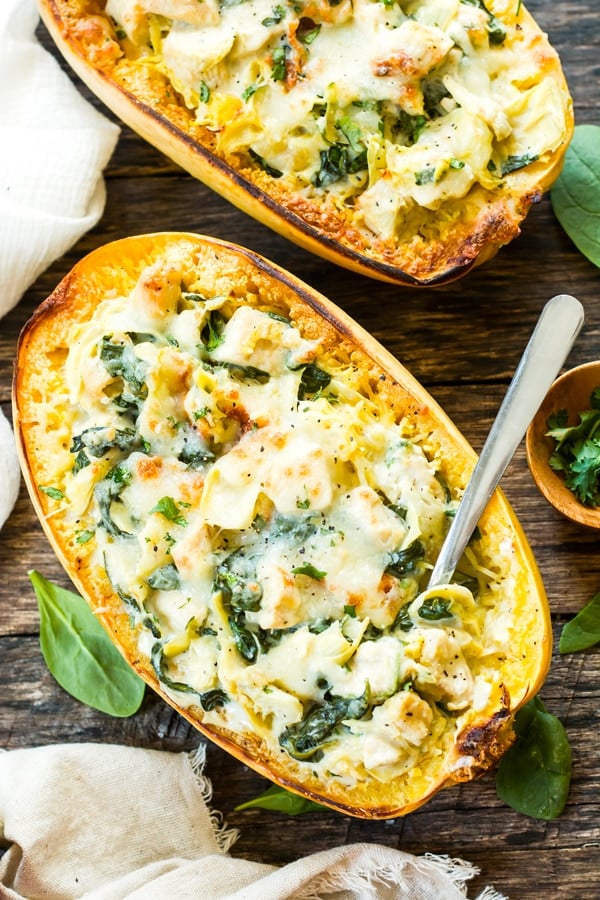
<point x="107" y="822"/>
<point x="53" y="148"/>
<point x="10" y="476"/>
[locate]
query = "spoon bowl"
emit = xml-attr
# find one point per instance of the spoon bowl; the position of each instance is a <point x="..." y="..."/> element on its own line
<point x="570" y="392"/>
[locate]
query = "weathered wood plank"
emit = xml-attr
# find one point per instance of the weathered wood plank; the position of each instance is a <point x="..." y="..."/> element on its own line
<point x="467" y="820"/>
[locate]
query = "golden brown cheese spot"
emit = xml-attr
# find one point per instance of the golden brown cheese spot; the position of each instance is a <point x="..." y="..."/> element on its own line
<point x="382" y="606"/>
<point x="97" y="39"/>
<point x="159" y="290"/>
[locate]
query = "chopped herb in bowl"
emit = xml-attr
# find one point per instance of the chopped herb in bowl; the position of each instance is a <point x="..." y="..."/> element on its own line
<point x="577" y="450"/>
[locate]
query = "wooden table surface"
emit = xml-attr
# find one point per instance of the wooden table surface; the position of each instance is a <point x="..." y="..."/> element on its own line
<point x="462" y="342"/>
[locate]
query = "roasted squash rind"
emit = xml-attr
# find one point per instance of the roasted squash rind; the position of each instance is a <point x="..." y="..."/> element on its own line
<point x="48" y="417"/>
<point x="429" y="244"/>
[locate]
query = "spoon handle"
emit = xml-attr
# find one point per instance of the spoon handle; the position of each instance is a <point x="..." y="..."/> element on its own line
<point x="549" y="345"/>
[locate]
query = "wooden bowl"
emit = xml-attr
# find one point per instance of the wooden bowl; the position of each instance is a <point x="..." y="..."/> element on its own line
<point x="570" y="392"/>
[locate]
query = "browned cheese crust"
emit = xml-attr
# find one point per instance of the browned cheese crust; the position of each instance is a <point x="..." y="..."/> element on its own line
<point x="435" y="245"/>
<point x="43" y="435"/>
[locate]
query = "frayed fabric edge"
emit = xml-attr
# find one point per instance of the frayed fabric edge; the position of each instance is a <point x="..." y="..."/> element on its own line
<point x="490" y="893"/>
<point x="364" y="882"/>
<point x="224" y="835"/>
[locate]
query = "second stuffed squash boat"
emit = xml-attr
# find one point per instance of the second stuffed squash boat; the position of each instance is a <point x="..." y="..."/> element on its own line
<point x="404" y="140"/>
<point x="250" y="492"/>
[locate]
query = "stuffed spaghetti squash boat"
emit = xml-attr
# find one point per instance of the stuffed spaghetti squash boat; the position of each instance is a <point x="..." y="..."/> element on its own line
<point x="250" y="493"/>
<point x="405" y="140"/>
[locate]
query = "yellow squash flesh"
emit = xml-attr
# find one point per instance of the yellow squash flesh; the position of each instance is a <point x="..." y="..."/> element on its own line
<point x="59" y="374"/>
<point x="422" y="208"/>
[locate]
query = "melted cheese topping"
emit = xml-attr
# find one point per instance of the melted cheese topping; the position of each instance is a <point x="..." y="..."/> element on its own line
<point x="387" y="107"/>
<point x="269" y="527"/>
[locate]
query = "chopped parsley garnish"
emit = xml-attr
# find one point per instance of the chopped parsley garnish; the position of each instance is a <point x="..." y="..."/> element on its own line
<point x="52" y="492"/>
<point x="512" y="163"/>
<point x="167" y="507"/>
<point x="279" y="69"/>
<point x="576" y="454"/>
<point x="277" y="15"/>
<point x="310" y="571"/>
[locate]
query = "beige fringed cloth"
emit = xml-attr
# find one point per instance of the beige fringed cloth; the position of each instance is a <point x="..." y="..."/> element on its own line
<point x="106" y="822"/>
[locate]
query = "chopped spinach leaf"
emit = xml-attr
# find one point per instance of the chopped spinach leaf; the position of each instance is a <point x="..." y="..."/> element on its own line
<point x="194" y="452"/>
<point x="245" y="642"/>
<point x="279" y="67"/>
<point x="211" y="335"/>
<point x="121" y="361"/>
<point x="236" y="578"/>
<point x="277" y="15"/>
<point x="403" y="620"/>
<point x="159" y="665"/>
<point x="410" y="126"/>
<point x="434" y="91"/>
<point x="52" y="492"/>
<point x="165" y="578"/>
<point x="303" y="740"/>
<point x="307" y="31"/>
<point x="106" y="492"/>
<point x="425" y="176"/>
<point x="241" y="374"/>
<point x="213" y="698"/>
<point x="312" y="382"/>
<point x="337" y="162"/>
<point x="435" y="608"/>
<point x="264" y="165"/>
<point x="98" y="440"/>
<point x="495" y="28"/>
<point x="406" y="561"/>
<point x="512" y="163"/>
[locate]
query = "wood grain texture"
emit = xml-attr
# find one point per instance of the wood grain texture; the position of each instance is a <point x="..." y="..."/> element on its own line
<point x="462" y="341"/>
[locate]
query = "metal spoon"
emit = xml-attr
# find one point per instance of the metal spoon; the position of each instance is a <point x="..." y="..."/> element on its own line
<point x="558" y="325"/>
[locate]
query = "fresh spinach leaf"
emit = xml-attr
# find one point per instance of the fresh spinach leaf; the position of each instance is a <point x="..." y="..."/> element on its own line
<point x="534" y="775"/>
<point x="281" y="800"/>
<point x="80" y="655"/>
<point x="576" y="193"/>
<point x="583" y="631"/>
